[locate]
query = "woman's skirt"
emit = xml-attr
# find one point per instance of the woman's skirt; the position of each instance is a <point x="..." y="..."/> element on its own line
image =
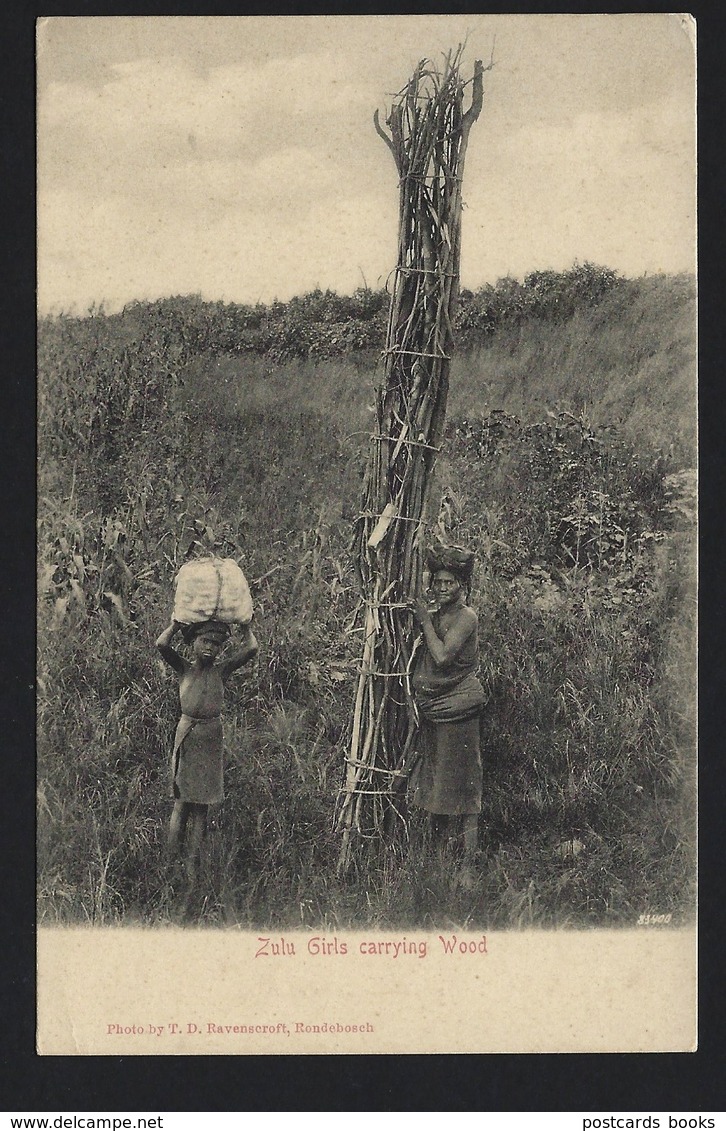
<point x="448" y="777"/>
<point x="198" y="761"/>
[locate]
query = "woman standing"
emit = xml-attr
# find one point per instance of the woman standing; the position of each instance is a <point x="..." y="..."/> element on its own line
<point x="447" y="782"/>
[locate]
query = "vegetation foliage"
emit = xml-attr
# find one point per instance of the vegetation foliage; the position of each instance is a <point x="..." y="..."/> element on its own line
<point x="568" y="466"/>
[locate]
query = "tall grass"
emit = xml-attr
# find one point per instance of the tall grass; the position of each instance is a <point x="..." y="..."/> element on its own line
<point x="584" y="525"/>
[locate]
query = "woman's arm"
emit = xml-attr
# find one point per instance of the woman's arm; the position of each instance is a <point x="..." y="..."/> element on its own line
<point x="163" y="643"/>
<point x="444" y="650"/>
<point x="247" y="652"/>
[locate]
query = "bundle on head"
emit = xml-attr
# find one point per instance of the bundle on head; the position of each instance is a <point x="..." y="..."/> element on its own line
<point x="454" y="559"/>
<point x="212" y="590"/>
<point x="429" y="130"/>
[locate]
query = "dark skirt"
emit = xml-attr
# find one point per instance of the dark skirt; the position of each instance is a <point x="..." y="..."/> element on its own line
<point x="448" y="777"/>
<point x="198" y="761"/>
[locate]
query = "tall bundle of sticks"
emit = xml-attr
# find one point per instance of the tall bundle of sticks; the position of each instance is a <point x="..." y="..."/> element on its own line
<point x="429" y="131"/>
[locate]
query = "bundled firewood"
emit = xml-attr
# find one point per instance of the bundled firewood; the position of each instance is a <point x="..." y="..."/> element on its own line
<point x="428" y="135"/>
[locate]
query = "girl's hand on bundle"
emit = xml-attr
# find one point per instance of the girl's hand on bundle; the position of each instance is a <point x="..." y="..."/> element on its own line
<point x="164" y="641"/>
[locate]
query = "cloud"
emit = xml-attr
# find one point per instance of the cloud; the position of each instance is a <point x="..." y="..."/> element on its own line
<point x="163" y="173"/>
<point x="108" y="250"/>
<point x="273" y="135"/>
<point x="614" y="187"/>
<point x="231" y="107"/>
<point x="256" y="172"/>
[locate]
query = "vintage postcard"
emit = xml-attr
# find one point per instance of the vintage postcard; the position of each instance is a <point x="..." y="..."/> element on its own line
<point x="367" y="534"/>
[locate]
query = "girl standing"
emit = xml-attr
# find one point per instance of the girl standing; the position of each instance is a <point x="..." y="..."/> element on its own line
<point x="198" y="755"/>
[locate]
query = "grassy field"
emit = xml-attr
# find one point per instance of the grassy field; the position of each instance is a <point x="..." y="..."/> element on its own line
<point x="568" y="467"/>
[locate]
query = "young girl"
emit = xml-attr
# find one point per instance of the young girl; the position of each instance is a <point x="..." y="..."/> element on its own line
<point x="198" y="756"/>
<point x="447" y="782"/>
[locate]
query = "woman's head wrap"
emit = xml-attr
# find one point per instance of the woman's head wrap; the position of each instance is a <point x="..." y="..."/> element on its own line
<point x="455" y="559"/>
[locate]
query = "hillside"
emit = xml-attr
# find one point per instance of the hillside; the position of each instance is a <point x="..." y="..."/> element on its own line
<point x="627" y="360"/>
<point x="566" y="467"/>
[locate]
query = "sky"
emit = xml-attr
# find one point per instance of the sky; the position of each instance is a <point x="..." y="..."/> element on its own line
<point x="236" y="158"/>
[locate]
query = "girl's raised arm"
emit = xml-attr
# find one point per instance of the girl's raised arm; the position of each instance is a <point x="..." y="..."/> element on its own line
<point x="163" y="643"/>
<point x="247" y="652"/>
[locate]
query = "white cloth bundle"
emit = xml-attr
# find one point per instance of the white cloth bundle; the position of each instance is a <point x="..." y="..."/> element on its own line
<point x="212" y="589"/>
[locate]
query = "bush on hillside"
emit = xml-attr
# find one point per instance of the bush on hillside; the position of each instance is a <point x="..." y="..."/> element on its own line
<point x="324" y="324"/>
<point x="549" y="295"/>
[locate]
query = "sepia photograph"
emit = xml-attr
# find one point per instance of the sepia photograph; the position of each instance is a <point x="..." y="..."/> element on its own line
<point x="367" y="534"/>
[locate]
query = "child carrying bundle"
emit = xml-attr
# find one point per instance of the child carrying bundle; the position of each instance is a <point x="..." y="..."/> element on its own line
<point x="211" y="595"/>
